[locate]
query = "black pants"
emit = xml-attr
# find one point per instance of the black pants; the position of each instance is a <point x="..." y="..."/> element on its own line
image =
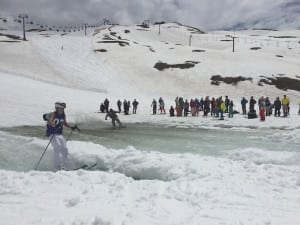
<point x="116" y="120"/>
<point x="244" y="109"/>
<point x="154" y="110"/>
<point x="277" y="112"/>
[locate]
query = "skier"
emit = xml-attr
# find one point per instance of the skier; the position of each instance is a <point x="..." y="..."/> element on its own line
<point x="135" y="105"/>
<point x="54" y="132"/>
<point x="285" y="105"/>
<point x="114" y="117"/>
<point x="172" y="112"/>
<point x="154" y="106"/>
<point x="244" y="102"/>
<point x="119" y="103"/>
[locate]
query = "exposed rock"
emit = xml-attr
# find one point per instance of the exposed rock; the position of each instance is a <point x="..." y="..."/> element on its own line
<point x="283" y="36"/>
<point x="8" y="41"/>
<point x="255" y="48"/>
<point x="282" y="83"/>
<point x="198" y="50"/>
<point x="217" y="79"/>
<point x="121" y="43"/>
<point x="162" y="66"/>
<point x="100" y="50"/>
<point x="194" y="62"/>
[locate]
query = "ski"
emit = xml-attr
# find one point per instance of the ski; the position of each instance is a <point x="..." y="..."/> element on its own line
<point x="86" y="167"/>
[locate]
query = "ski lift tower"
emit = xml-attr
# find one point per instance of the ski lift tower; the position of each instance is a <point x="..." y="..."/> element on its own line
<point x="23" y="17"/>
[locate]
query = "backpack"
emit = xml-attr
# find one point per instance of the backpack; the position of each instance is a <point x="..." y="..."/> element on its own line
<point x="47" y="116"/>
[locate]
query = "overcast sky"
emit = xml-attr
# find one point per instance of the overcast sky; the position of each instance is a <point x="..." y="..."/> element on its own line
<point x="205" y="14"/>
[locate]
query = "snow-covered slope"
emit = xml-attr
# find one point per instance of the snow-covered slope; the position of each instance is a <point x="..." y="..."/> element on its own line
<point x="128" y="71"/>
<point x="257" y="184"/>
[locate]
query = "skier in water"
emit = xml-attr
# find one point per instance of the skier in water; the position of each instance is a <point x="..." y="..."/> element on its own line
<point x="55" y="126"/>
<point x="114" y="117"/>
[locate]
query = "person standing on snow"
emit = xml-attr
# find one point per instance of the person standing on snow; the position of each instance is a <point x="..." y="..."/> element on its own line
<point x="285" y="105"/>
<point x="268" y="106"/>
<point x="114" y="118"/>
<point x="230" y="109"/>
<point x="135" y="105"/>
<point x="162" y="106"/>
<point x="172" y="114"/>
<point x="125" y="107"/>
<point x="244" y="102"/>
<point x="227" y="102"/>
<point x="119" y="103"/>
<point x="54" y="132"/>
<point x="222" y="109"/>
<point x="277" y="106"/>
<point x="154" y="106"/>
<point x="252" y="104"/>
<point x="106" y="104"/>
<point x="186" y="108"/>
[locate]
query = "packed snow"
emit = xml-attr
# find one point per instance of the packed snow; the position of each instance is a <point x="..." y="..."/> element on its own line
<point x="154" y="184"/>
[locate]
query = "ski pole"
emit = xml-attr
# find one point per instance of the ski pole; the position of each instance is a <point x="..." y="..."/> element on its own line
<point x="44" y="152"/>
<point x="74" y="128"/>
<point x="37" y="165"/>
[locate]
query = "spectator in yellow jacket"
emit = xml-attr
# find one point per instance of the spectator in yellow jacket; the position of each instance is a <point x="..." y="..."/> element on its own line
<point x="285" y="105"/>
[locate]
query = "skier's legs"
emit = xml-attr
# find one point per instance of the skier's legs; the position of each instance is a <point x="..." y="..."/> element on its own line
<point x="119" y="122"/>
<point x="63" y="148"/>
<point x="113" y="122"/>
<point x="56" y="148"/>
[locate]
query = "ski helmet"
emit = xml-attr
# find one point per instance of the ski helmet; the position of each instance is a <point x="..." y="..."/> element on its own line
<point x="60" y="105"/>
